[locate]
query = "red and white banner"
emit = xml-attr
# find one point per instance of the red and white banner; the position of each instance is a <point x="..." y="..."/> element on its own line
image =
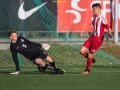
<point x="76" y="15"/>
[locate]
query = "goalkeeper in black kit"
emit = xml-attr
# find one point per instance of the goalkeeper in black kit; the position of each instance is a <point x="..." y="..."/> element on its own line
<point x="31" y="51"/>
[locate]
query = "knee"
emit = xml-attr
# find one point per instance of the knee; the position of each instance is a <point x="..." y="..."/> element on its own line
<point x="81" y="51"/>
<point x="39" y="62"/>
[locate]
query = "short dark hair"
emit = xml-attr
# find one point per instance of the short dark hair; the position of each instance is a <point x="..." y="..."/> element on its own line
<point x="11" y="32"/>
<point x="96" y="5"/>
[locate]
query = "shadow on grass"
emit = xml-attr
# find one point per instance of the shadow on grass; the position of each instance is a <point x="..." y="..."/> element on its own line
<point x="30" y="72"/>
<point x="38" y="72"/>
<point x="4" y="72"/>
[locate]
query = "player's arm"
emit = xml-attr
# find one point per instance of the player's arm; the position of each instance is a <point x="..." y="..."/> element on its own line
<point x="104" y="21"/>
<point x="45" y="46"/>
<point x="110" y="33"/>
<point x="15" y="59"/>
<point x="109" y="30"/>
<point x="30" y="42"/>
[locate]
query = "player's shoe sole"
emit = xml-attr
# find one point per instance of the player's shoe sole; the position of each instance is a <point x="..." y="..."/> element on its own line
<point x="86" y="72"/>
<point x="59" y="71"/>
<point x="17" y="72"/>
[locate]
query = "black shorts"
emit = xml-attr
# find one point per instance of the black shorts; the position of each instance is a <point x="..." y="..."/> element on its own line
<point x="41" y="54"/>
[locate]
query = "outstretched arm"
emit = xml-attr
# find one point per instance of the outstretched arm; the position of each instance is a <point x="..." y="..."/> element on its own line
<point x="30" y="42"/>
<point x="15" y="59"/>
<point x="45" y="46"/>
<point x="110" y="33"/>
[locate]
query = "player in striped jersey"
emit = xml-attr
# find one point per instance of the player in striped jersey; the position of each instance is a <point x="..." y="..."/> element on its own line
<point x="96" y="40"/>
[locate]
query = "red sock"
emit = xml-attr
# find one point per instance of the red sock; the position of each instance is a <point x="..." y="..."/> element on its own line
<point x="89" y="63"/>
<point x="85" y="54"/>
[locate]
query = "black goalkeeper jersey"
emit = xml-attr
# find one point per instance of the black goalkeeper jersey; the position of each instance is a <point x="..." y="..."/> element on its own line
<point x="25" y="47"/>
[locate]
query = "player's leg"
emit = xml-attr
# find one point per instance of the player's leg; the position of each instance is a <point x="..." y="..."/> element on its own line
<point x="50" y="60"/>
<point x="42" y="66"/>
<point x="87" y="46"/>
<point x="44" y="55"/>
<point x="95" y="44"/>
<point x="89" y="63"/>
<point x="40" y="62"/>
<point x="83" y="52"/>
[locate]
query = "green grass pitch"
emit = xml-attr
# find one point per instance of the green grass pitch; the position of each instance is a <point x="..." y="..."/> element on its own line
<point x="101" y="78"/>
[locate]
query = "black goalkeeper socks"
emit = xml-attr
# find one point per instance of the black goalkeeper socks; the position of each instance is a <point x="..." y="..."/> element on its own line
<point x="50" y="67"/>
<point x="53" y="64"/>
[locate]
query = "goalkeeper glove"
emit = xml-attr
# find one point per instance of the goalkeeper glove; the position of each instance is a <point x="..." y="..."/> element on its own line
<point x="45" y="46"/>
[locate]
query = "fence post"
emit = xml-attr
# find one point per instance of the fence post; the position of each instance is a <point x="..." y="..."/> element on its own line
<point x="115" y="21"/>
<point x="66" y="37"/>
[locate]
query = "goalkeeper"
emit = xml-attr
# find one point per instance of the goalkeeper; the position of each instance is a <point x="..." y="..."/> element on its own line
<point x="31" y="51"/>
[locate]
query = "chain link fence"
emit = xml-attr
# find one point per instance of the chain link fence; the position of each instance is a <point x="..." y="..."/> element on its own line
<point x="62" y="51"/>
